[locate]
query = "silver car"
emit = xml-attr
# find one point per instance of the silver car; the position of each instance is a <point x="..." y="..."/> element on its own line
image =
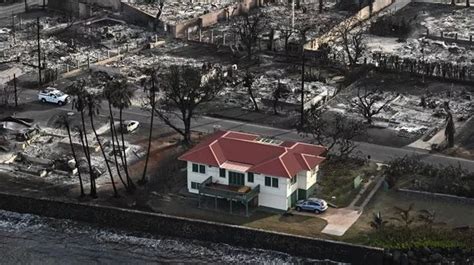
<point x="311" y="205"/>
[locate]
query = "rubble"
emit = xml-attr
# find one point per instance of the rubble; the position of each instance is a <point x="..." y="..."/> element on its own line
<point x="175" y="11"/>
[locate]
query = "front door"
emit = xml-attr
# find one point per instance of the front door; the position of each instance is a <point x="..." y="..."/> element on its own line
<point x="237" y="179"/>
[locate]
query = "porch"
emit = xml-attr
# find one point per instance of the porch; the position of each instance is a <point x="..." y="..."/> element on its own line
<point x="232" y="193"/>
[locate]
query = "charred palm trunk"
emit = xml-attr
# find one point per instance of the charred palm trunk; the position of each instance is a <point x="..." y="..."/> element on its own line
<point x="104" y="155"/>
<point x="125" y="162"/>
<point x="150" y="134"/>
<point x="93" y="193"/>
<point x="114" y="149"/>
<point x="75" y="159"/>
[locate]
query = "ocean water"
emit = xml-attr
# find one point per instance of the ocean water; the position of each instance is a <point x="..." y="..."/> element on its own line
<point x="31" y="239"/>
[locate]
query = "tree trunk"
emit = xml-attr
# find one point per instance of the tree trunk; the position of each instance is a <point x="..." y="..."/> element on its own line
<point x="321" y="6"/>
<point x="125" y="162"/>
<point x="113" y="133"/>
<point x="275" y="104"/>
<point x="93" y="193"/>
<point x="468" y="4"/>
<point x="103" y="154"/>
<point x="252" y="97"/>
<point x="150" y="134"/>
<point x="75" y="159"/>
<point x="453" y="2"/>
<point x="187" y="130"/>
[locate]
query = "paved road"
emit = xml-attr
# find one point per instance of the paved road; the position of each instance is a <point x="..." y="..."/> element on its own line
<point x="378" y="153"/>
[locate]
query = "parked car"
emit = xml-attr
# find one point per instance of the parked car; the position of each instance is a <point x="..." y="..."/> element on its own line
<point x="53" y="95"/>
<point x="4" y="31"/>
<point x="129" y="126"/>
<point x="312" y="205"/>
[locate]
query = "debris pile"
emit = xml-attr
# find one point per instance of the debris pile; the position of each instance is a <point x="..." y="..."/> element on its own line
<point x="176" y="11"/>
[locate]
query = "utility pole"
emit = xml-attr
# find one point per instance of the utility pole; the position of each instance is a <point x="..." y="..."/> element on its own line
<point x="302" y="91"/>
<point x="13" y="28"/>
<point x="39" y="50"/>
<point x="292" y="14"/>
<point x="15" y="90"/>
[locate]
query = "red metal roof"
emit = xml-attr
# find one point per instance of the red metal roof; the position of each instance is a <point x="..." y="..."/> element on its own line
<point x="282" y="160"/>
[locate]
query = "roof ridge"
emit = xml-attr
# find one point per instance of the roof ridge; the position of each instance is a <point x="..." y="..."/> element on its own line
<point x="207" y="146"/>
<point x="212" y="151"/>
<point x="283" y="163"/>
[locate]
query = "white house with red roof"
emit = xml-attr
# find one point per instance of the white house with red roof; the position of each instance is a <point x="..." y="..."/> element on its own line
<point x="248" y="168"/>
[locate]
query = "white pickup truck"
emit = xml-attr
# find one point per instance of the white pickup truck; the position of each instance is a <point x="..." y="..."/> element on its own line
<point x="53" y="95"/>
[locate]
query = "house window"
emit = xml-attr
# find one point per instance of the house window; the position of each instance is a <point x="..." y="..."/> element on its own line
<point x="250" y="177"/>
<point x="194" y="185"/>
<point x="268" y="181"/>
<point x="202" y="169"/>
<point x="275" y="182"/>
<point x="195" y="168"/>
<point x="293" y="180"/>
<point x="271" y="182"/>
<point x="236" y="178"/>
<point x="222" y="172"/>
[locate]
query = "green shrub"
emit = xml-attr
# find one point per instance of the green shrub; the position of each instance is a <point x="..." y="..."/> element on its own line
<point x="425" y="177"/>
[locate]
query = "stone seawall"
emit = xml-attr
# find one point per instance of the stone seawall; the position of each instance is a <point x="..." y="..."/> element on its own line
<point x="172" y="226"/>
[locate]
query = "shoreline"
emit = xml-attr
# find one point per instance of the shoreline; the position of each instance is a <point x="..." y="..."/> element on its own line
<point x="173" y="226"/>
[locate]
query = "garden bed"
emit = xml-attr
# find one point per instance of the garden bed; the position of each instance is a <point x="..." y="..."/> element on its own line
<point x="336" y="185"/>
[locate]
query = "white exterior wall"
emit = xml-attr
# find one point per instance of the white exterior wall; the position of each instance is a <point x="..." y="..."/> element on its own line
<point x="306" y="179"/>
<point x="199" y="177"/>
<point x="271" y="197"/>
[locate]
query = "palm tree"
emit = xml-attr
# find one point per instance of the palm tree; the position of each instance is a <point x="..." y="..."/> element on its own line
<point x="378" y="223"/>
<point x="77" y="90"/>
<point x="152" y="101"/>
<point x="122" y="100"/>
<point x="429" y="218"/>
<point x="405" y="215"/>
<point x="109" y="90"/>
<point x="93" y="105"/>
<point x="65" y="123"/>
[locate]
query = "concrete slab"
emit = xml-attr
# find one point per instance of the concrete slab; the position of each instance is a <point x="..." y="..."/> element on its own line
<point x="339" y="220"/>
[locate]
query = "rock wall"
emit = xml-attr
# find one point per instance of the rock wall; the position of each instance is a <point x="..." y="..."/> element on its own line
<point x="193" y="229"/>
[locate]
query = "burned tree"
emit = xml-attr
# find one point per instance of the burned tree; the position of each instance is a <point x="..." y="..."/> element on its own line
<point x="249" y="27"/>
<point x="450" y="129"/>
<point x="337" y="133"/>
<point x="277" y="95"/>
<point x="249" y="79"/>
<point x="370" y="102"/>
<point x="185" y="88"/>
<point x="351" y="35"/>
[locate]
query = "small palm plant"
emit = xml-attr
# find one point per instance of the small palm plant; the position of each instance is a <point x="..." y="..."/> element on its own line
<point x="405" y="215"/>
<point x="378" y="223"/>
<point x="428" y="217"/>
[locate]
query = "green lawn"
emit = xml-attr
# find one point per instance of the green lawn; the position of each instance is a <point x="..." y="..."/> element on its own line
<point x="337" y="183"/>
<point x="452" y="219"/>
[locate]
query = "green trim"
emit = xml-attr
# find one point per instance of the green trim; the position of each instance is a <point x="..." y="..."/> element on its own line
<point x="293" y="198"/>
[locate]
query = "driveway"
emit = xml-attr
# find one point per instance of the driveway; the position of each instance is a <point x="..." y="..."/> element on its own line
<point x="338" y="220"/>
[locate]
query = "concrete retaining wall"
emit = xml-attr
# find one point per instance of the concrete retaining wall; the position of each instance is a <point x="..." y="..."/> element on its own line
<point x="351" y="22"/>
<point x="443" y="196"/>
<point x="165" y="225"/>
<point x="17" y="8"/>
